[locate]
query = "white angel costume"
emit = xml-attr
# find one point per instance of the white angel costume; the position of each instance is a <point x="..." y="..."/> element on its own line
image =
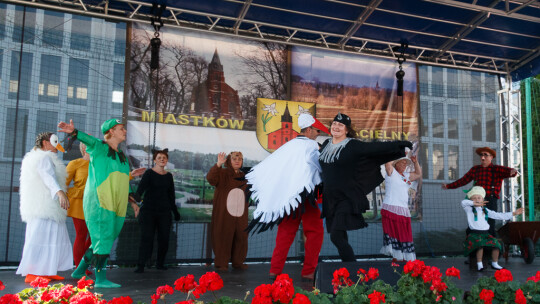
<point x="282" y="181"/>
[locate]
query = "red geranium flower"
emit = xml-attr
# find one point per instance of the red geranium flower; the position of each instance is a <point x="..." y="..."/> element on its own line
<point x="453" y="272"/>
<point x="261" y="300"/>
<point x="211" y="281"/>
<point x="65" y="292"/>
<point x="438" y="285"/>
<point x="416" y="267"/>
<point x="536" y="278"/>
<point x="373" y="273"/>
<point x="503" y="275"/>
<point x="487" y="296"/>
<point x="155" y="298"/>
<point x="10" y="299"/>
<point x="39" y="282"/>
<point x="84" y="297"/>
<point x="263" y="294"/>
<point x="83" y="283"/>
<point x="520" y="297"/>
<point x="165" y="289"/>
<point x="121" y="300"/>
<point x="376" y="297"/>
<point x="362" y="274"/>
<point x="282" y="289"/>
<point x="394" y="264"/>
<point x="341" y="277"/>
<point x="185" y="283"/>
<point x="431" y="273"/>
<point x="186" y="302"/>
<point x="198" y="291"/>
<point x="301" y="299"/>
<point x="50" y="294"/>
<point x="2" y="286"/>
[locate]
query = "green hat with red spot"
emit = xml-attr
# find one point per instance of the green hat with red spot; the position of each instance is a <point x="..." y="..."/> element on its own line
<point x="109" y="124"/>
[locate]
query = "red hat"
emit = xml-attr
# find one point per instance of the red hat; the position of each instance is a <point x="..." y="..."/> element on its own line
<point x="306" y="120"/>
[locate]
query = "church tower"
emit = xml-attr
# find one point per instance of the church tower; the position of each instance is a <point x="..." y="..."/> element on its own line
<point x="214" y="86"/>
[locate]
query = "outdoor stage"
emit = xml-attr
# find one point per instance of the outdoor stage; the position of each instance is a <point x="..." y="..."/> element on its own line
<point x="236" y="283"/>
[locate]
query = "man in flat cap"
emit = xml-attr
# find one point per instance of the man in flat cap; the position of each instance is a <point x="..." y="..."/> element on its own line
<point x="487" y="176"/>
<point x="284" y="187"/>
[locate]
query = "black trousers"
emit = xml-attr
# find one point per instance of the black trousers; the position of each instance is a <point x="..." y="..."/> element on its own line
<point x="492" y="205"/>
<point x="340" y="239"/>
<point x="152" y="223"/>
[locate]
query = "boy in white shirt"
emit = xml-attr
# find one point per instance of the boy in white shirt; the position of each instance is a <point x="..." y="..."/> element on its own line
<point x="479" y="237"/>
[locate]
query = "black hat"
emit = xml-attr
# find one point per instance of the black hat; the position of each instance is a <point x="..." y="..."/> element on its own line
<point x="344" y="119"/>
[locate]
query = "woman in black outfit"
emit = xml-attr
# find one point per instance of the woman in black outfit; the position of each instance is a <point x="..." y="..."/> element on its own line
<point x="350" y="171"/>
<point x="157" y="186"/>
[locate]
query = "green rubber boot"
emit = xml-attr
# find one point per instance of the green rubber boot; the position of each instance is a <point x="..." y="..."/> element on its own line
<point x="101" y="280"/>
<point x="101" y="274"/>
<point x="80" y="271"/>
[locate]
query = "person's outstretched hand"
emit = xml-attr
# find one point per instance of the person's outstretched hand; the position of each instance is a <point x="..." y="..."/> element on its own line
<point x="65" y="127"/>
<point x="138" y="171"/>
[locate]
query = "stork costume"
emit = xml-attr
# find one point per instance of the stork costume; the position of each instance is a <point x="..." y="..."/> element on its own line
<point x="283" y="186"/>
<point x="47" y="248"/>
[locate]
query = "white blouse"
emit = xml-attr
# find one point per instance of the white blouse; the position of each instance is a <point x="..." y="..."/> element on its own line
<point x="396" y="198"/>
<point x="481" y="223"/>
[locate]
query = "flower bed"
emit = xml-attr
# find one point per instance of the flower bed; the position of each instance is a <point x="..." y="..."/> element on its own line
<point x="418" y="284"/>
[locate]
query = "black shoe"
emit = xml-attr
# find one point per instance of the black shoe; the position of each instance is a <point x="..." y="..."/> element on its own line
<point x="481" y="269"/>
<point x="161" y="267"/>
<point x="497" y="268"/>
<point x="139" y="269"/>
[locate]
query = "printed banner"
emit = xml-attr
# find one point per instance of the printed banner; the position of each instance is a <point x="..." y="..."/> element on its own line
<point x="216" y="94"/>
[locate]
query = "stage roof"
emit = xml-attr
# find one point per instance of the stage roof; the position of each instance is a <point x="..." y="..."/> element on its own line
<point x="484" y="35"/>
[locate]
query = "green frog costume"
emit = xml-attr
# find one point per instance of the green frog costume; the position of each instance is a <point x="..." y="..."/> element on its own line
<point x="105" y="201"/>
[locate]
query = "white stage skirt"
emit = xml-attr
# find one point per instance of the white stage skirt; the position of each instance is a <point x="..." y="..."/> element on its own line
<point x="47" y="248"/>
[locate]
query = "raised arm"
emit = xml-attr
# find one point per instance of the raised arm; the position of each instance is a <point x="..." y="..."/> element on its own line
<point x="86" y="139"/>
<point x="417" y="174"/>
<point x="381" y="148"/>
<point x="389" y="168"/>
<point x="213" y="175"/>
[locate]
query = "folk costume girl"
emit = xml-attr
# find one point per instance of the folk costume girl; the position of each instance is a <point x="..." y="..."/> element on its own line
<point x="351" y="170"/>
<point x="479" y="236"/>
<point x="396" y="217"/>
<point x="105" y="195"/>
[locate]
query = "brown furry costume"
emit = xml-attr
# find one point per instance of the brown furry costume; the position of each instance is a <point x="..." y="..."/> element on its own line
<point x="229" y="216"/>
